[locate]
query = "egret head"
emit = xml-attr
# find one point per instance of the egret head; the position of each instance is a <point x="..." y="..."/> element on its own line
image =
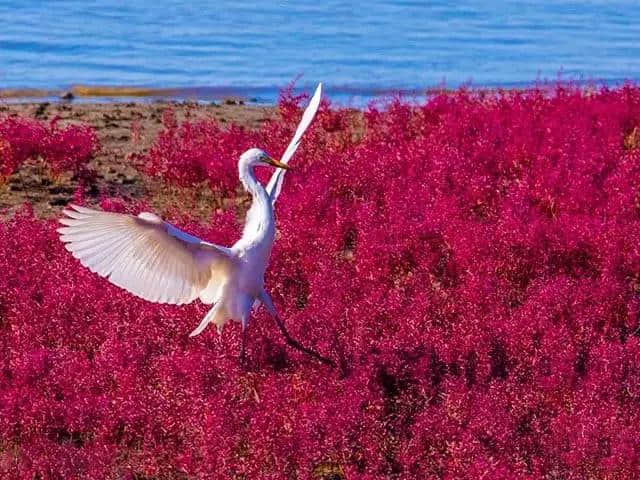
<point x="255" y="156"/>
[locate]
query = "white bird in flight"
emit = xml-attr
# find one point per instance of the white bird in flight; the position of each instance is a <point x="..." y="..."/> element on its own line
<point x="158" y="262"/>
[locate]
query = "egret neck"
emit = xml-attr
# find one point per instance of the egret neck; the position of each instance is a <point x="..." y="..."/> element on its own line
<point x="259" y="230"/>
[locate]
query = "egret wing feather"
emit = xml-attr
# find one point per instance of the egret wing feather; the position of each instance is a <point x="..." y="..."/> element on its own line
<point x="275" y="183"/>
<point x="144" y="255"/>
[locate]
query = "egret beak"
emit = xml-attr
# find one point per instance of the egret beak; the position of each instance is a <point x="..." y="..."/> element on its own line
<point x="277" y="163"/>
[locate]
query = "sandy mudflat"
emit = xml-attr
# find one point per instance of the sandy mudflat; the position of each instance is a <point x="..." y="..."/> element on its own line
<point x="123" y="129"/>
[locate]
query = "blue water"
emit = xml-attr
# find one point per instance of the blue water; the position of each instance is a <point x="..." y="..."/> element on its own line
<point x="357" y="48"/>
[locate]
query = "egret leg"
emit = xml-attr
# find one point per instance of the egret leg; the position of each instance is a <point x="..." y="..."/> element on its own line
<point x="298" y="346"/>
<point x="266" y="300"/>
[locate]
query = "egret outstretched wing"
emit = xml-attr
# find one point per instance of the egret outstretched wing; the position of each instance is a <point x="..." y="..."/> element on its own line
<point x="275" y="183"/>
<point x="144" y="255"/>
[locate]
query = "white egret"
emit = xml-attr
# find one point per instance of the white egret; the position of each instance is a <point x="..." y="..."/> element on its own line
<point x="156" y="261"/>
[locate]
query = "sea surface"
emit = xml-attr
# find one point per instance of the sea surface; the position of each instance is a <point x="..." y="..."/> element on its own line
<point x="359" y="49"/>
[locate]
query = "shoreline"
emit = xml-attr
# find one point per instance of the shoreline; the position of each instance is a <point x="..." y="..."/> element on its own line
<point x="339" y="95"/>
<point x="125" y="94"/>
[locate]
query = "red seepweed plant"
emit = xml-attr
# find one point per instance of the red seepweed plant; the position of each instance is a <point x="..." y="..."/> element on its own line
<point x="472" y="263"/>
<point x="69" y="148"/>
<point x="19" y="139"/>
<point x="66" y="148"/>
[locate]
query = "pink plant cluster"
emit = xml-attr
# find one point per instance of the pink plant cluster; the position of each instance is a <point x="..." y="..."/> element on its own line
<point x="66" y="148"/>
<point x="189" y="153"/>
<point x="471" y="264"/>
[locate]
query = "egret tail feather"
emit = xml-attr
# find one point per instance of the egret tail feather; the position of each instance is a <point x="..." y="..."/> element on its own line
<point x="216" y="315"/>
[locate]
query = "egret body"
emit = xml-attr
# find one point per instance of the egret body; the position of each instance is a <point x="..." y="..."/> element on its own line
<point x="158" y="262"/>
